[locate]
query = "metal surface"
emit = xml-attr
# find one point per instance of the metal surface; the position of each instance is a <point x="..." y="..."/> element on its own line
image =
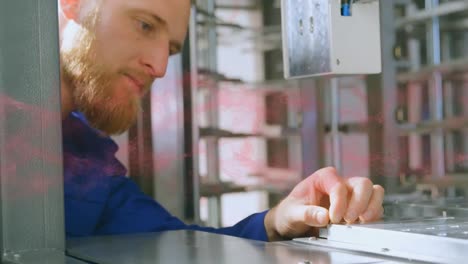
<point x="306" y="37"/>
<point x="421" y="229"/>
<point x="441" y="240"/>
<point x="31" y="177"/>
<point x="200" y="247"/>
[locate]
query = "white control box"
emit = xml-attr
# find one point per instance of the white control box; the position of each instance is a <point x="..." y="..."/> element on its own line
<point x="330" y="37"/>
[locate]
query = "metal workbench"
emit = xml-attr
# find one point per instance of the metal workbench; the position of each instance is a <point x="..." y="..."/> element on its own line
<point x="200" y="247"/>
<point x="420" y="231"/>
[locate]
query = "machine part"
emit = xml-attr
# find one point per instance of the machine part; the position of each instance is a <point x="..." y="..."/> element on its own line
<point x="441" y="240"/>
<point x="330" y="37"/>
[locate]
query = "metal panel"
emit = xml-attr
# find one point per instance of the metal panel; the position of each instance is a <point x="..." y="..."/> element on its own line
<point x="168" y="131"/>
<point x="306" y="37"/>
<point x="441" y="240"/>
<point x="30" y="131"/>
<point x="199" y="247"/>
<point x="356" y="40"/>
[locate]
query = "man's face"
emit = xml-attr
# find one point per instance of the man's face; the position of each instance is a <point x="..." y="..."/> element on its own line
<point x="113" y="53"/>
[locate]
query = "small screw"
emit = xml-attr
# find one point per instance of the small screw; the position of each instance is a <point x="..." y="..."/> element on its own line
<point x="312" y="25"/>
<point x="338" y="62"/>
<point x="6" y="253"/>
<point x="301" y="26"/>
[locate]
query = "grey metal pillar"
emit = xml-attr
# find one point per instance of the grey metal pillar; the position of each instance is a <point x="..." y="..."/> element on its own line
<point x="190" y="124"/>
<point x="382" y="96"/>
<point x="195" y="127"/>
<point x="141" y="166"/>
<point x="31" y="202"/>
<point x="463" y="51"/>
<point x="436" y="94"/>
<point x="212" y="143"/>
<point x="312" y="132"/>
<point x="334" y="124"/>
<point x="168" y="131"/>
<point x="448" y="101"/>
<point x="414" y="98"/>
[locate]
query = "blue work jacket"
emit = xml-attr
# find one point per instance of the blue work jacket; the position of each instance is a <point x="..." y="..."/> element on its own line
<point x="100" y="200"/>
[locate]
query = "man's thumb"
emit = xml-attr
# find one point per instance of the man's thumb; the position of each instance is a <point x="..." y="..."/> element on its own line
<point x="316" y="216"/>
<point x="310" y="215"/>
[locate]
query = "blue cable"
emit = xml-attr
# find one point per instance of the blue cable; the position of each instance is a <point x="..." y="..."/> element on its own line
<point x="346" y="10"/>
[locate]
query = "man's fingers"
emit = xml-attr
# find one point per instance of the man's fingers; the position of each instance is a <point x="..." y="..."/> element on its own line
<point x="326" y="179"/>
<point x="361" y="191"/>
<point x="349" y="199"/>
<point x="310" y="215"/>
<point x="338" y="202"/>
<point x="374" y="210"/>
<point x="329" y="182"/>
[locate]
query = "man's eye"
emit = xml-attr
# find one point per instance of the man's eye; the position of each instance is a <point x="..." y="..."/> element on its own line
<point x="146" y="27"/>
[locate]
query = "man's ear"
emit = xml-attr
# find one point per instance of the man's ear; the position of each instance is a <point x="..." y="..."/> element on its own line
<point x="70" y="8"/>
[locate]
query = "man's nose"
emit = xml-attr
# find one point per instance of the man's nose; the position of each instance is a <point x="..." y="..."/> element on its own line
<point x="155" y="58"/>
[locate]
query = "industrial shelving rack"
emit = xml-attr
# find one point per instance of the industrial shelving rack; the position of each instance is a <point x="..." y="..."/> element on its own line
<point x="430" y="57"/>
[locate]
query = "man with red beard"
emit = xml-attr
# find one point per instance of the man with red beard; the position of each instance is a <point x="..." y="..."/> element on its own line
<point x="111" y="52"/>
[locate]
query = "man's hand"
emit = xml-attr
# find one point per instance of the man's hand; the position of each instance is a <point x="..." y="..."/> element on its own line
<point x="322" y="198"/>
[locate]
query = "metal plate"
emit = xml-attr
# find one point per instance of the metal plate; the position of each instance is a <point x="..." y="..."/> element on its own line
<point x="441" y="240"/>
<point x="200" y="247"/>
<point x="306" y="37"/>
